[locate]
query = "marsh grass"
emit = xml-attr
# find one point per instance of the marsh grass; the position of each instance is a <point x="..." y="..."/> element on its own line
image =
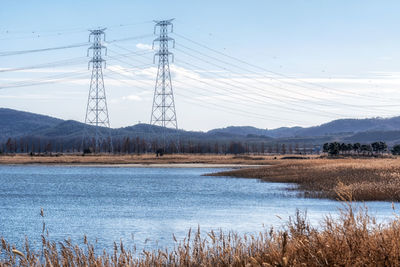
<point x="353" y="239"/>
<point x="135" y="159"/>
<point x="366" y="179"/>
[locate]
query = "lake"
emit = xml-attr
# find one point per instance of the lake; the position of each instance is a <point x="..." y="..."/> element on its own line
<point x="145" y="206"/>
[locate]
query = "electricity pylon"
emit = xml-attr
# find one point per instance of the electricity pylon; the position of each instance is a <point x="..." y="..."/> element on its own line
<point x="97" y="131"/>
<point x="163" y="111"/>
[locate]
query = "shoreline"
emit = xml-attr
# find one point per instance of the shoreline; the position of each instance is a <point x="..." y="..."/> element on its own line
<point x="144" y="160"/>
<point x="141" y="165"/>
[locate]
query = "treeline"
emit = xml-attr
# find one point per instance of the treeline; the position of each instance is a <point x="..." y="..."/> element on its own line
<point x="137" y="145"/>
<point x="374" y="148"/>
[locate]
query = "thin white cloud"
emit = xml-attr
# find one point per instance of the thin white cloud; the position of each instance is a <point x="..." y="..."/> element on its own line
<point x="183" y="73"/>
<point x="132" y="98"/>
<point x="144" y="46"/>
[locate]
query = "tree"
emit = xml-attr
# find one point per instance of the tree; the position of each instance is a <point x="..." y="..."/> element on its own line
<point x="342" y="147"/>
<point x="379" y="147"/>
<point x="366" y="149"/>
<point x="254" y="148"/>
<point x="290" y="150"/>
<point x="236" y="148"/>
<point x="396" y="150"/>
<point x="277" y="150"/>
<point x="349" y="148"/>
<point x="375" y="147"/>
<point x="357" y="147"/>
<point x="382" y="147"/>
<point x="9" y="145"/>
<point x="334" y="148"/>
<point x="269" y="149"/>
<point x="325" y="148"/>
<point x="125" y="146"/>
<point x="297" y="148"/>
<point x="48" y="148"/>
<point x="21" y="145"/>
<point x="283" y="149"/>
<point x="15" y="146"/>
<point x="216" y="148"/>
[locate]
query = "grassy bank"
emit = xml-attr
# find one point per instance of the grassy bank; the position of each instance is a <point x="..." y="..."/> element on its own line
<point x="354" y="239"/>
<point x="365" y="179"/>
<point x="137" y="159"/>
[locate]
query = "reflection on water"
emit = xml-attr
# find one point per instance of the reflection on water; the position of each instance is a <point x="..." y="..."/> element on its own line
<point x="144" y="206"/>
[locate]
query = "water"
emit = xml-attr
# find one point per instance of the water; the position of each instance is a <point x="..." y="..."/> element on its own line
<point x="144" y="206"/>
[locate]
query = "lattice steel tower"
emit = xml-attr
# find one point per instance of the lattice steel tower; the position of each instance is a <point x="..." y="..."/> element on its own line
<point x="163" y="110"/>
<point x="97" y="132"/>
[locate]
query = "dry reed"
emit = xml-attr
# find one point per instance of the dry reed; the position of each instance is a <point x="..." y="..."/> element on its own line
<point x="367" y="179"/>
<point x="354" y="239"/>
<point x="136" y="159"/>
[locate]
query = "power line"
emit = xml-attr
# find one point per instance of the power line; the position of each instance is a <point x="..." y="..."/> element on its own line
<point x="12" y="53"/>
<point x="245" y="90"/>
<point x="125" y="62"/>
<point x="21" y="52"/>
<point x="236" y="111"/>
<point x="268" y="77"/>
<point x="319" y="86"/>
<point x="245" y="95"/>
<point x="65" y="62"/>
<point x="59" y="32"/>
<point x="128" y="38"/>
<point x="187" y="98"/>
<point x="262" y="90"/>
<point x="47" y="80"/>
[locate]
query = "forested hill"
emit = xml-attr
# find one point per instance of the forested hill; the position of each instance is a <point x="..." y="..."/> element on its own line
<point x="16" y="124"/>
<point x="342" y="126"/>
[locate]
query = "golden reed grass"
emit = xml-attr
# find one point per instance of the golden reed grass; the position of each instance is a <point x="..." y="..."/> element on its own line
<point x="367" y="179"/>
<point x="135" y="159"/>
<point x="353" y="239"/>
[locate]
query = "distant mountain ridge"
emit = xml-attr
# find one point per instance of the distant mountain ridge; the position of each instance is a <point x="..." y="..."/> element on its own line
<point x="349" y="126"/>
<point x="15" y="124"/>
<point x="18" y="123"/>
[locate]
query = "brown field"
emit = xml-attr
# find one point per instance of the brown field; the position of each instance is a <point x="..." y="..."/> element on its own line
<point x="355" y="239"/>
<point x="365" y="179"/>
<point x="137" y="159"/>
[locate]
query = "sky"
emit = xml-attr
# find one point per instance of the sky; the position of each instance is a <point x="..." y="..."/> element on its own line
<point x="261" y="63"/>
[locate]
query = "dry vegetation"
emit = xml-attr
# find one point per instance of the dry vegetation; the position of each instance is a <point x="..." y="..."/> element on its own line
<point x="355" y="239"/>
<point x="136" y="159"/>
<point x="366" y="179"/>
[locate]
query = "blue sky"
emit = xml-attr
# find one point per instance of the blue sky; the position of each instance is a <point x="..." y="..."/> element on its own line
<point x="349" y="48"/>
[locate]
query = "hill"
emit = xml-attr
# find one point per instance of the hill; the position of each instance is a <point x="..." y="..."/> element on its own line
<point x="19" y="123"/>
<point x="336" y="127"/>
<point x="16" y="124"/>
